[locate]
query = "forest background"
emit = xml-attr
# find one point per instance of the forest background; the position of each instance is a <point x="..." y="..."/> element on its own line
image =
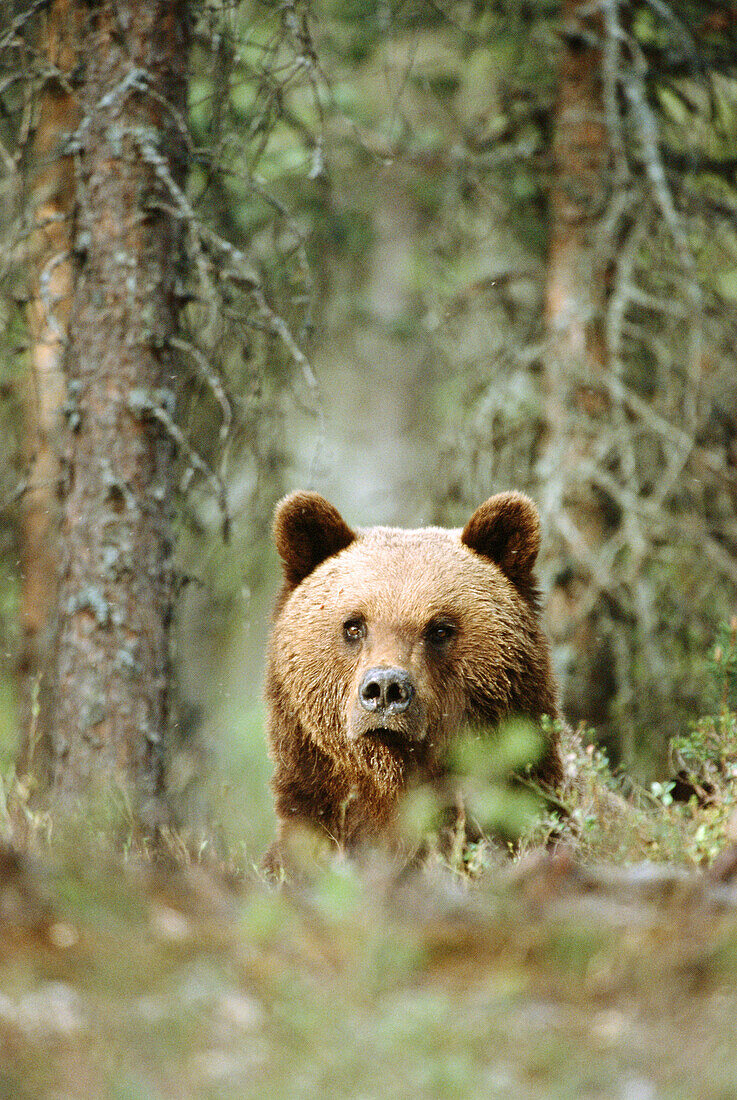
<point x="481" y="246"/>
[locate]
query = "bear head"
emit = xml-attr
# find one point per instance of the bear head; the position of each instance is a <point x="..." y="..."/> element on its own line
<point x="386" y="641"/>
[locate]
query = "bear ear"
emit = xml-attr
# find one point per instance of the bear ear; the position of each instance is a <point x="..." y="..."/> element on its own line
<point x="506" y="529"/>
<point x="307" y="530"/>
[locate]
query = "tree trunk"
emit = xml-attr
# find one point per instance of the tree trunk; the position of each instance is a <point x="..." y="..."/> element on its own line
<point x="574" y="296"/>
<point x="52" y="183"/>
<point x="576" y="360"/>
<point x="115" y="587"/>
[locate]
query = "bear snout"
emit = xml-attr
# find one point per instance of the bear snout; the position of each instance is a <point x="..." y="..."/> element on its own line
<point x="386" y="700"/>
<point x="385" y="691"/>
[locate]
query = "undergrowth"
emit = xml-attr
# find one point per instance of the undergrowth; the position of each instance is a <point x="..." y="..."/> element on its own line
<point x="687" y="818"/>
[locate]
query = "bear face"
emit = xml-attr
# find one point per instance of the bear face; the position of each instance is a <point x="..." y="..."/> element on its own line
<point x="385" y="642"/>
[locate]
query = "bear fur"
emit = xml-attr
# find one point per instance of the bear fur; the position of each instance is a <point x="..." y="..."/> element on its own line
<point x="384" y="643"/>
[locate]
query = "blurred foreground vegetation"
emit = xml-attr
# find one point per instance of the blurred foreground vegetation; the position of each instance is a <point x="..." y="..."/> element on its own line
<point x="552" y="975"/>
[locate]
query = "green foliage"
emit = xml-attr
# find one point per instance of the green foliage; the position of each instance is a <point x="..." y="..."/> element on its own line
<point x="710" y="747"/>
<point x="476" y="802"/>
<point x="724" y="665"/>
<point x="688" y="818"/>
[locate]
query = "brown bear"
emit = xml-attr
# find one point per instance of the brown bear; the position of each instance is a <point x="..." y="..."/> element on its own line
<point x="385" y="642"/>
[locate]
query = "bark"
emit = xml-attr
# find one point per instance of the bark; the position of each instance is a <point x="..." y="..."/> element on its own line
<point x="574" y="297"/>
<point x="115" y="588"/>
<point x="52" y="182"/>
<point x="576" y="358"/>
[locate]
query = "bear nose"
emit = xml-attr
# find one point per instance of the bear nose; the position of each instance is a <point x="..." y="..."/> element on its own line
<point x="385" y="690"/>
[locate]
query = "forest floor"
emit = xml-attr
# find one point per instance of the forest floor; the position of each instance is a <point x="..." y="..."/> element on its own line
<point x="547" y="977"/>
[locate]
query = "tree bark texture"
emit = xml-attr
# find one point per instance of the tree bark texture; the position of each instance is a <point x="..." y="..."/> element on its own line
<point x="575" y="291"/>
<point x="50" y="290"/>
<point x="115" y="587"/>
<point x="575" y="302"/>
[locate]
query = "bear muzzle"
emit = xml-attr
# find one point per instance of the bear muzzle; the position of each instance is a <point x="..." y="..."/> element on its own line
<point x="386" y="703"/>
<point x="385" y="691"/>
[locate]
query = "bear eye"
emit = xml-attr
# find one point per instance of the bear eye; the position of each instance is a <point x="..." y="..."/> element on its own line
<point x="439" y="634"/>
<point x="354" y="629"/>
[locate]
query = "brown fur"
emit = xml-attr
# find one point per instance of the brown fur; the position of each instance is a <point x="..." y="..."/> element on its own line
<point x="336" y="767"/>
